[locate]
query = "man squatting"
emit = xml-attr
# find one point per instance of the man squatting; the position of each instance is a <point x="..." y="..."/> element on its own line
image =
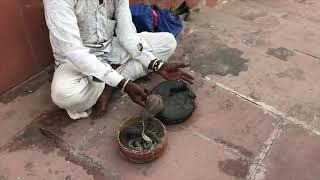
<point x="97" y="49"/>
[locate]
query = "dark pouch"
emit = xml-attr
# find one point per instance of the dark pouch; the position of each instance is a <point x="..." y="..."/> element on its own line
<point x="179" y="101"/>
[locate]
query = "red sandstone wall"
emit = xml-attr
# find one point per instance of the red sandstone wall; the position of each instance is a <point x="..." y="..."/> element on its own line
<point x="24" y="45"/>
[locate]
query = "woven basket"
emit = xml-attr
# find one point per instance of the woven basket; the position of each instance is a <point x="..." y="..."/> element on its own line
<point x="145" y="155"/>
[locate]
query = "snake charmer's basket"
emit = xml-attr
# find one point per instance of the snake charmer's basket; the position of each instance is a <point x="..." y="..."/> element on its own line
<point x="142" y="156"/>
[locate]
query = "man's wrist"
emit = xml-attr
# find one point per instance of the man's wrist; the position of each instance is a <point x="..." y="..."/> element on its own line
<point x="151" y="64"/>
<point x="121" y="83"/>
<point x="160" y="66"/>
<point x="155" y="65"/>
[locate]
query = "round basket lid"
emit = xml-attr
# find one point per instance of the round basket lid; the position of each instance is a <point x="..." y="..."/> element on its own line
<point x="179" y="101"/>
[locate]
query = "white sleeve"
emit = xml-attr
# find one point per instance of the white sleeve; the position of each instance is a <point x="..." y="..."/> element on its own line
<point x="66" y="41"/>
<point x="127" y="33"/>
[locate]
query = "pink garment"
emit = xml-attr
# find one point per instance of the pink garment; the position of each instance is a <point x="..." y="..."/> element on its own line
<point x="155" y="17"/>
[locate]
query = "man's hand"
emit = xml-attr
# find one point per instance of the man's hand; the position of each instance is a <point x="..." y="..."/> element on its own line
<point x="172" y="71"/>
<point x="137" y="93"/>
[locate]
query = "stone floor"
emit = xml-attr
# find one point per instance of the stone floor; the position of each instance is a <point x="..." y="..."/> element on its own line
<point x="257" y="69"/>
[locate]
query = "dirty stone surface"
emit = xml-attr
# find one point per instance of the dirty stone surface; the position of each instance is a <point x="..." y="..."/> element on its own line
<point x="32" y="164"/>
<point x="271" y="49"/>
<point x="257" y="118"/>
<point x="182" y="159"/>
<point x="280" y="53"/>
<point x="247" y="137"/>
<point x="293" y="156"/>
<point x="19" y="108"/>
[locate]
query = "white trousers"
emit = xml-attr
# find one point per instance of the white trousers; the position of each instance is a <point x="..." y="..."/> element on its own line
<point x="77" y="93"/>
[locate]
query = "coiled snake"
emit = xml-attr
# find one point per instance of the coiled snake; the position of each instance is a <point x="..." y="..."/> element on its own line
<point x="148" y="136"/>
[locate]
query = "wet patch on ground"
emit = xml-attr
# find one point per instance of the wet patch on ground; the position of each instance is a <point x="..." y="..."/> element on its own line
<point x="221" y="62"/>
<point x="55" y="121"/>
<point x="71" y="154"/>
<point x="293" y="74"/>
<point x="28" y="166"/>
<point x="31" y="137"/>
<point x="280" y="53"/>
<point x="238" y="168"/>
<point x="26" y="88"/>
<point x="208" y="55"/>
<point x="44" y="133"/>
<point x="248" y="154"/>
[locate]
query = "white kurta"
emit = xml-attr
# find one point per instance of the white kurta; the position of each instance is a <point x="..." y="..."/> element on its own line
<point x="82" y="36"/>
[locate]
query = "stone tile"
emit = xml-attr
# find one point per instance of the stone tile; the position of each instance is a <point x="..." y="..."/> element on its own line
<point x="17" y="110"/>
<point x="220" y="116"/>
<point x="35" y="146"/>
<point x="32" y="164"/>
<point x="235" y="54"/>
<point x="294" y="155"/>
<point x="84" y="132"/>
<point x="230" y="120"/>
<point x="187" y="157"/>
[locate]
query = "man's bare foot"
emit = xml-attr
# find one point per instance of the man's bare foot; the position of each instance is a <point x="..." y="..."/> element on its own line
<point x="101" y="106"/>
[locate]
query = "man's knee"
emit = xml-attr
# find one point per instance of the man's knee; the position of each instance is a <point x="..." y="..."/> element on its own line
<point x="133" y="70"/>
<point x="59" y="95"/>
<point x="171" y="42"/>
<point x="66" y="93"/>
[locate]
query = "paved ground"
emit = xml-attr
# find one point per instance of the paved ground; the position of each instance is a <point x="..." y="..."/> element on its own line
<point x="257" y="115"/>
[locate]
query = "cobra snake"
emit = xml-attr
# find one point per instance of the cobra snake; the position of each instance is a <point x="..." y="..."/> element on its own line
<point x="148" y="138"/>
